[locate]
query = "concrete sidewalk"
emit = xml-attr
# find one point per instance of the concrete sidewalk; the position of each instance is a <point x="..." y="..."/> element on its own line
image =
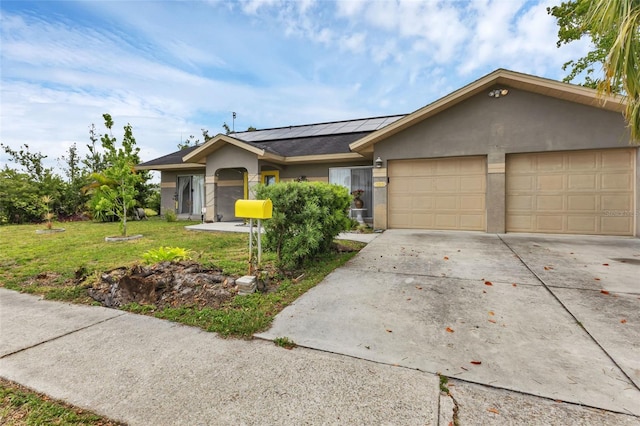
<point x="145" y="371"/>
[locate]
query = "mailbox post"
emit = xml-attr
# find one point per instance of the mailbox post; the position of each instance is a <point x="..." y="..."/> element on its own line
<point x="254" y="209"/>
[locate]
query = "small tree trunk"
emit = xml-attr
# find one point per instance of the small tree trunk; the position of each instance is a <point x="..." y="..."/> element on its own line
<point x="124" y="210"/>
<point x="124" y="223"/>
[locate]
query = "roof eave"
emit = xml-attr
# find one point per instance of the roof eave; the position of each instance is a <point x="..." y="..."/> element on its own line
<point x="175" y="166"/>
<point x="324" y="158"/>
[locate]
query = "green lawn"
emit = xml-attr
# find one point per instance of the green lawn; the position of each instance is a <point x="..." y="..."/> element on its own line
<point x="81" y="248"/>
<point x="82" y="251"/>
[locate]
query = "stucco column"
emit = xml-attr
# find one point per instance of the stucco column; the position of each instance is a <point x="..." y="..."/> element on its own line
<point x="210" y="197"/>
<point x="253" y="180"/>
<point x="496" y="198"/>
<point x="380" y="198"/>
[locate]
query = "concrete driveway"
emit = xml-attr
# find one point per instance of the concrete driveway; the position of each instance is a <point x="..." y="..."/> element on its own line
<point x="552" y="316"/>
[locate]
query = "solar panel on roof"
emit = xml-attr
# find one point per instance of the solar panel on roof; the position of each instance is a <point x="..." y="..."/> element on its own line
<point x="350" y="126"/>
<point x="301" y="132"/>
<point x="389" y="120"/>
<point x="279" y="133"/>
<point x="313" y="131"/>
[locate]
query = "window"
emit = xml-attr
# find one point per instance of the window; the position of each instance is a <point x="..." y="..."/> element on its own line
<point x="270" y="177"/>
<point x="190" y="194"/>
<point x="354" y="178"/>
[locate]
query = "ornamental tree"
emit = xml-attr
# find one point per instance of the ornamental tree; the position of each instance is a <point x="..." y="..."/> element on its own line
<point x="114" y="189"/>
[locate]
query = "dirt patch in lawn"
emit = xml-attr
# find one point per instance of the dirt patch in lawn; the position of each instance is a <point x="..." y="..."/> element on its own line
<point x="165" y="284"/>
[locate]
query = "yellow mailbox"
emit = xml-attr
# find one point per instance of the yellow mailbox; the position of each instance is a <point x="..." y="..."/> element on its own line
<point x="254" y="209"/>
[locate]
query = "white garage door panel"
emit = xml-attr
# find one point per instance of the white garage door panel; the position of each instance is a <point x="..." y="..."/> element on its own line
<point x="584" y="192"/>
<point x="438" y="194"/>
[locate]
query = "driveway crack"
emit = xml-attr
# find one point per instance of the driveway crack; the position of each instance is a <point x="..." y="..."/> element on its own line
<point x="444" y="390"/>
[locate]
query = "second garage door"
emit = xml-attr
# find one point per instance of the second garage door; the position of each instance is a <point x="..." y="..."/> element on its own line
<point x="574" y="192"/>
<point x="446" y="193"/>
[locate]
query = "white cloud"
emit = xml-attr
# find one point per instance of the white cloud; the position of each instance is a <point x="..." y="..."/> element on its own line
<point x="517" y="35"/>
<point x="252" y="6"/>
<point x="350" y="8"/>
<point x="353" y="42"/>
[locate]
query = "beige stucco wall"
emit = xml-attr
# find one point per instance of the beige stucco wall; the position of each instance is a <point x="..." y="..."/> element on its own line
<point x="314" y="172"/>
<point x="494" y="127"/>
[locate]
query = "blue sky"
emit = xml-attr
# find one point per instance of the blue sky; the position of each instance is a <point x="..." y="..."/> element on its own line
<point x="171" y="68"/>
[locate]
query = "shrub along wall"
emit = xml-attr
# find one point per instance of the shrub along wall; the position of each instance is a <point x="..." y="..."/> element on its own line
<point x="307" y="216"/>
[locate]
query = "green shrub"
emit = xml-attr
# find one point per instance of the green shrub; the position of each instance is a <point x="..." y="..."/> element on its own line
<point x="20" y="197"/>
<point x="307" y="216"/>
<point x="166" y="254"/>
<point x="150" y="212"/>
<point x="170" y="216"/>
<point x="153" y="199"/>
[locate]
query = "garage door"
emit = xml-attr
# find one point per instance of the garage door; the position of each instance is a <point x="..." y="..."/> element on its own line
<point x="578" y="192"/>
<point x="438" y="194"/>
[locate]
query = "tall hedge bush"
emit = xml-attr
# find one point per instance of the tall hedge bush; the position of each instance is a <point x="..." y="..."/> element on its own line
<point x="307" y="216"/>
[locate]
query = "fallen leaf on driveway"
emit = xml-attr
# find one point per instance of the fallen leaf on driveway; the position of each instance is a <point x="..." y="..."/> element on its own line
<point x="476" y="362"/>
<point x="493" y="321"/>
<point x="604" y="292"/>
<point x="597" y="279"/>
<point x="623" y="321"/>
<point x="491" y="313"/>
<point x="449" y="330"/>
<point x="418" y="287"/>
<point x="409" y="298"/>
<point x="488" y="283"/>
<point x="446" y="258"/>
<point x="546" y="268"/>
<point x="605" y="264"/>
<point x="493" y="410"/>
<point x="389" y="331"/>
<point x="514" y="285"/>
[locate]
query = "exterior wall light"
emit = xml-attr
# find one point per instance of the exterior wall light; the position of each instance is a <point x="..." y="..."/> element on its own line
<point x="498" y="92"/>
<point x="378" y="162"/>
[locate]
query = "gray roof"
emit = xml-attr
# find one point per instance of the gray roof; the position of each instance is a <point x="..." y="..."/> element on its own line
<point x="173" y="158"/>
<point x="309" y="139"/>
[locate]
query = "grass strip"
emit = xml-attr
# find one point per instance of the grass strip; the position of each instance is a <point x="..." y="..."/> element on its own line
<point x="21" y="406"/>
